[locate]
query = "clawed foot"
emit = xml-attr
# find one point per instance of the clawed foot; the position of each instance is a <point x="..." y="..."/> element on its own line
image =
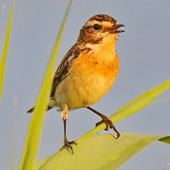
<point x="109" y="124"/>
<point x="68" y="144"/>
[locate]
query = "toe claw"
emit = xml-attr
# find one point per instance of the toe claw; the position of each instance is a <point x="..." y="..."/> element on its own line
<point x="68" y="145"/>
<point x="118" y="135"/>
<point x="108" y="124"/>
<point x="98" y="123"/>
<point x="73" y="142"/>
<point x="106" y="129"/>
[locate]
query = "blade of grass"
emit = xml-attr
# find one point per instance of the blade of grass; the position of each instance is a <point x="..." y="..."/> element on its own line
<point x="119" y="151"/>
<point x="5" y="49"/>
<point x="100" y="152"/>
<point x="132" y="107"/>
<point x="159" y="101"/>
<point x="29" y="155"/>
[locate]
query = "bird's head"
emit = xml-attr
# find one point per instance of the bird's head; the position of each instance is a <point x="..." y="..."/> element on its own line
<point x="99" y="27"/>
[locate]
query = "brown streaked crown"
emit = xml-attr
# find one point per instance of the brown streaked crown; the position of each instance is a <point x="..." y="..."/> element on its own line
<point x="103" y="17"/>
<point x="98" y="27"/>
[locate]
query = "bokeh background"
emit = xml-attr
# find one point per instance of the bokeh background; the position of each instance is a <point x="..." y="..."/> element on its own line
<point x="144" y="51"/>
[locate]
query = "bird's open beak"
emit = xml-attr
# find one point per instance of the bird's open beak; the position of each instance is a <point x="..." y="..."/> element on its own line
<point x="115" y="28"/>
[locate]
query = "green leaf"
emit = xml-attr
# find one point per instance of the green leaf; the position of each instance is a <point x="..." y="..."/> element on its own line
<point x="132" y="107"/>
<point x="100" y="152"/>
<point x="5" y="49"/>
<point x="103" y="151"/>
<point x="32" y="142"/>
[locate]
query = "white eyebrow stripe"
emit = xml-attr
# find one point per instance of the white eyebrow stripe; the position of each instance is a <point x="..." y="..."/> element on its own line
<point x="103" y="23"/>
<point x="107" y="23"/>
<point x="90" y="23"/>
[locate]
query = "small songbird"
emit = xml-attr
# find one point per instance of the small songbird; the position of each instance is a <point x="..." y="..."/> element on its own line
<point x="87" y="71"/>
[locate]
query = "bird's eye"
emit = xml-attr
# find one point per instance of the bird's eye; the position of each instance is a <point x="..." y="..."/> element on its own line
<point x="96" y="27"/>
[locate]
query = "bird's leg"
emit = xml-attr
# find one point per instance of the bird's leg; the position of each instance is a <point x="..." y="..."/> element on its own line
<point x="67" y="144"/>
<point x="105" y="120"/>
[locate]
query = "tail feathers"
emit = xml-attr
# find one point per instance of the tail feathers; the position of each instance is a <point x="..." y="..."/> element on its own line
<point x="32" y="109"/>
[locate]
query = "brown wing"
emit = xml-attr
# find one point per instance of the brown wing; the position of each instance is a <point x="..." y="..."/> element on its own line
<point x="62" y="70"/>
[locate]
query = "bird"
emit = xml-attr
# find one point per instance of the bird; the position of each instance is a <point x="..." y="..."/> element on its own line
<point x="87" y="71"/>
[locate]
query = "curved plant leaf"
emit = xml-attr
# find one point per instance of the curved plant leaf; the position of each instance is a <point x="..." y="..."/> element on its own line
<point x="5" y="49"/>
<point x="32" y="142"/>
<point x="103" y="150"/>
<point x="132" y="107"/>
<point x="100" y="152"/>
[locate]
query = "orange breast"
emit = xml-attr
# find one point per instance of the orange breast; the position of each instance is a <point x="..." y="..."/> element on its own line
<point x="90" y="64"/>
<point x="91" y="76"/>
<point x="91" y="79"/>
